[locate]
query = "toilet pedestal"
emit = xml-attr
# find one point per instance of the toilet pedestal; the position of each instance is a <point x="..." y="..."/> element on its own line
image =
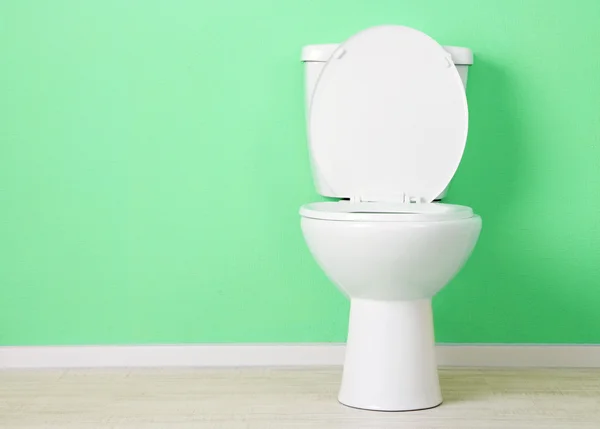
<point x="390" y="362"/>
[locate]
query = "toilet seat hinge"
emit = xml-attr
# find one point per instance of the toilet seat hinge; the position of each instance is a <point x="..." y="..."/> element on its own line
<point x="412" y="200"/>
<point x="400" y="198"/>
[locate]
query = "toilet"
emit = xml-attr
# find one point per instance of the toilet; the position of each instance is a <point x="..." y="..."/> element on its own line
<point x="387" y="124"/>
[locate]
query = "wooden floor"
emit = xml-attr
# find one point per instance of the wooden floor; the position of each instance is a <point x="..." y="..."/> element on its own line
<point x="287" y="398"/>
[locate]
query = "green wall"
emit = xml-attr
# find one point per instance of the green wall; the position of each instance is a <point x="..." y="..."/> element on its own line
<point x="153" y="159"/>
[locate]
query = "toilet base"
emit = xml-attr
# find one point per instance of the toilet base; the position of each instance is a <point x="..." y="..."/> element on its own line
<point x="390" y="362"/>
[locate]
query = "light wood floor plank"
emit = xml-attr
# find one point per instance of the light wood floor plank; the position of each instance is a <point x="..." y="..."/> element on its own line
<point x="288" y="399"/>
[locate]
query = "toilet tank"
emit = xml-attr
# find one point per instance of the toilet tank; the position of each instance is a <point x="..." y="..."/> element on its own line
<point x="315" y="57"/>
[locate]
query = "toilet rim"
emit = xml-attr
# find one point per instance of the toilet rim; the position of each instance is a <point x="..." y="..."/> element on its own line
<point x="385" y="212"/>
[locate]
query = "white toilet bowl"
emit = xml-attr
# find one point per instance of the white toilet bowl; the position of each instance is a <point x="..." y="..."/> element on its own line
<point x="390" y="265"/>
<point x="388" y="122"/>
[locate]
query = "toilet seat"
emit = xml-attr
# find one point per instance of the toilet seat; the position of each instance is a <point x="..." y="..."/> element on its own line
<point x="388" y="119"/>
<point x="385" y="212"/>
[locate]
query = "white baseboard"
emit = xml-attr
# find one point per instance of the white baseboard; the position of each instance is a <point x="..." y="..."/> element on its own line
<point x="234" y="355"/>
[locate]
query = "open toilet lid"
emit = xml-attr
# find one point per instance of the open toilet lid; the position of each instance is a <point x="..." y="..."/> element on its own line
<point x="389" y="117"/>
